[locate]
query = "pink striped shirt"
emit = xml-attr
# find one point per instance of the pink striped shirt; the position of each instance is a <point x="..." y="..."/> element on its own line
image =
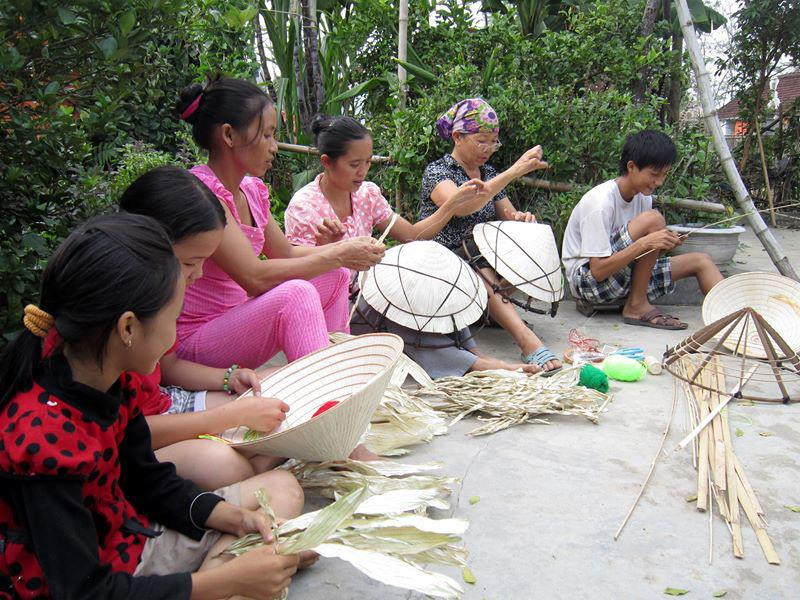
<point x="309" y="207"/>
<point x="215" y="293"/>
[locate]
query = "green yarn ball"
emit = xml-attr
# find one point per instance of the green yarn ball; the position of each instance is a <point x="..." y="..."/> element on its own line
<point x="624" y="368"/>
<point x="593" y="378"/>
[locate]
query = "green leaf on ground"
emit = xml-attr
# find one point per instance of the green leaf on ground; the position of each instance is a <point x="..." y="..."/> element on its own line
<point x="792" y="508"/>
<point x="468" y="576"/>
<point x="720" y="593"/>
<point x="739" y="432"/>
<point x="474" y="499"/>
<point x="675" y="592"/>
<point x="691" y="498"/>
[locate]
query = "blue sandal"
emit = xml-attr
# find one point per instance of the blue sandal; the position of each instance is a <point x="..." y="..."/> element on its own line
<point x="541" y="357"/>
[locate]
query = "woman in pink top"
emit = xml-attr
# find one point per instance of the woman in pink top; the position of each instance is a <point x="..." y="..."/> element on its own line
<point x="243" y="309"/>
<point x="339" y="204"/>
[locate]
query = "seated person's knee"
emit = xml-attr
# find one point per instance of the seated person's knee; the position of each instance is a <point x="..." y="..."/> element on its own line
<point x="652" y="220"/>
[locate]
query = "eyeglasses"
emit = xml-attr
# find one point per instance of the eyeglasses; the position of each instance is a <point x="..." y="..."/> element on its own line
<point x="487" y="146"/>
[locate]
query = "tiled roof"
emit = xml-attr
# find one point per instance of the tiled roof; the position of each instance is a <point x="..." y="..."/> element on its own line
<point x="788" y="91"/>
<point x="788" y="88"/>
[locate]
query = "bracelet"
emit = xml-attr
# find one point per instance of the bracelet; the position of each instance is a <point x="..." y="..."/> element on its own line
<point x="227" y="378"/>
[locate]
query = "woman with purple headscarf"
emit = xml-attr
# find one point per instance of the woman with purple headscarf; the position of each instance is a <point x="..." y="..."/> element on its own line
<point x="474" y="128"/>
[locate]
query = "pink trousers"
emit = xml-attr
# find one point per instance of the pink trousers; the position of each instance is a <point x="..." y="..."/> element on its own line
<point x="294" y="317"/>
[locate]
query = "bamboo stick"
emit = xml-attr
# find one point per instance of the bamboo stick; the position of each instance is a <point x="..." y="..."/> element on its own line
<point x="733" y="491"/>
<point x="702" y="467"/>
<point x="746" y="487"/>
<point x="761" y="533"/>
<point x="301" y="149"/>
<point x="652" y="464"/>
<point x="707" y="419"/>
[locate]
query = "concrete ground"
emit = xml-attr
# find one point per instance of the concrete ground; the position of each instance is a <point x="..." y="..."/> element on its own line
<point x="551" y="497"/>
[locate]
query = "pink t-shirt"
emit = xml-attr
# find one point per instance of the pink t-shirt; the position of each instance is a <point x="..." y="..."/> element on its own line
<point x="215" y="293"/>
<point x="309" y="206"/>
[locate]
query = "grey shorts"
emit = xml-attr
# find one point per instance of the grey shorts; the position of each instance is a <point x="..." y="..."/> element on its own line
<point x="184" y="401"/>
<point x="618" y="285"/>
<point x="447" y="360"/>
<point x="172" y="552"/>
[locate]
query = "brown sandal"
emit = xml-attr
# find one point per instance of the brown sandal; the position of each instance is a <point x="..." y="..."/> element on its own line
<point x="657" y="319"/>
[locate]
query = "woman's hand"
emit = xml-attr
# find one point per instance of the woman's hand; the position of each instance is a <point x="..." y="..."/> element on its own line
<point x="360" y="253"/>
<point x="261" y="574"/>
<point x="525" y="217"/>
<point x="261" y="414"/>
<point x="243" y="379"/>
<point x="329" y="231"/>
<point x="530" y="161"/>
<point x="466" y="193"/>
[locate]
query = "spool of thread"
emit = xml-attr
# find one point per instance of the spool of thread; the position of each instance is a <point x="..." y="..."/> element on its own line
<point x="593" y="378"/>
<point x="623" y="368"/>
<point x="654" y="366"/>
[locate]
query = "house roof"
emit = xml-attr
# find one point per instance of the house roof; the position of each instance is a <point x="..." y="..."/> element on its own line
<point x="788" y="88"/>
<point x="788" y="91"/>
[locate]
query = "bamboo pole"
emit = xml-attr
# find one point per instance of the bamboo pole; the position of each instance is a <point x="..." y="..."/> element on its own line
<point x="402" y="54"/>
<point x="765" y="171"/>
<point x="300" y="149"/>
<point x="706" y="96"/>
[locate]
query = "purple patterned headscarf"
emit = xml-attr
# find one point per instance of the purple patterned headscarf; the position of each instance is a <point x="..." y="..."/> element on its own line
<point x="473" y="115"/>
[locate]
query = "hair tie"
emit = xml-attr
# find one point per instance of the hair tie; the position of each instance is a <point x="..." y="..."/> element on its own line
<point x="37" y="321"/>
<point x="189" y="111"/>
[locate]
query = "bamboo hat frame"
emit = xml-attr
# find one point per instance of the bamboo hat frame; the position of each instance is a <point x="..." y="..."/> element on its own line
<point x="774" y="297"/>
<point x="354" y="373"/>
<point x="525" y="255"/>
<point x="722" y="348"/>
<point x="424" y="286"/>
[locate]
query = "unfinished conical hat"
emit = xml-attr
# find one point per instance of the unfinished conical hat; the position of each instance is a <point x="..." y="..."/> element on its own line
<point x="524" y="254"/>
<point x="774" y="297"/>
<point x="353" y="374"/>
<point x="425" y="286"/>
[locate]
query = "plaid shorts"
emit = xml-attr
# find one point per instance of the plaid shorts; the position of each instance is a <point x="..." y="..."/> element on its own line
<point x="618" y="285"/>
<point x="184" y="401"/>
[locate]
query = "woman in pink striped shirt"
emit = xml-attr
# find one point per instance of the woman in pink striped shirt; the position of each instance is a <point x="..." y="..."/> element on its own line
<point x="244" y="310"/>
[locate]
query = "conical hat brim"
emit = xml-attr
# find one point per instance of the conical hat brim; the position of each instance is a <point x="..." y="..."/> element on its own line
<point x="426" y="287"/>
<point x="524" y="254"/>
<point x="353" y="373"/>
<point x="774" y="297"/>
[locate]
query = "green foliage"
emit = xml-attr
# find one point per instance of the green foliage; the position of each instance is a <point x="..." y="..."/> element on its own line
<point x="78" y="81"/>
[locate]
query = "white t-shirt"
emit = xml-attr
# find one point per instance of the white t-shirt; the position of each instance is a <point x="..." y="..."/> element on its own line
<point x="599" y="213"/>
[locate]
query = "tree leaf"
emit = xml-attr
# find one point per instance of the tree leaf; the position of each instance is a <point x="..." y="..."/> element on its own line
<point x="418" y="71"/>
<point x="466" y="573"/>
<point x="474" y="499"/>
<point x="720" y="593"/>
<point x="792" y="508"/>
<point x="51" y="88"/>
<point x="108" y="46"/>
<point x="739" y="432"/>
<point x="675" y="592"/>
<point x="66" y="16"/>
<point x="126" y="22"/>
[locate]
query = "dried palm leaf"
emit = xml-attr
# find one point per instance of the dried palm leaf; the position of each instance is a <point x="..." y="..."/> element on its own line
<point x="401" y="421"/>
<point x="389" y="547"/>
<point x="503" y="399"/>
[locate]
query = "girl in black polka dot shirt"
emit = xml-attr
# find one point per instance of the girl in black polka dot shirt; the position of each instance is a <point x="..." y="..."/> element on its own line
<point x="86" y="510"/>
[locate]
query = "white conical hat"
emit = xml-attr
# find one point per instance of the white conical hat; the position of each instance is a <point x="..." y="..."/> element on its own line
<point x="774" y="297"/>
<point x="424" y="286"/>
<point x="353" y="373"/>
<point x="524" y="254"/>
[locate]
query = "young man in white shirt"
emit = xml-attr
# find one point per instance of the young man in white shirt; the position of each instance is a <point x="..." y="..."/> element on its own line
<point x="614" y="242"/>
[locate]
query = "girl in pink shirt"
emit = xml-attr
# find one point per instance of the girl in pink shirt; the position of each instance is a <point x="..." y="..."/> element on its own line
<point x="244" y="309"/>
<point x="340" y="204"/>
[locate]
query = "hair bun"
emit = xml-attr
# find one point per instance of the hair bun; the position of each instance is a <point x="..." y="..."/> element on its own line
<point x="188" y="95"/>
<point x="319" y="123"/>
